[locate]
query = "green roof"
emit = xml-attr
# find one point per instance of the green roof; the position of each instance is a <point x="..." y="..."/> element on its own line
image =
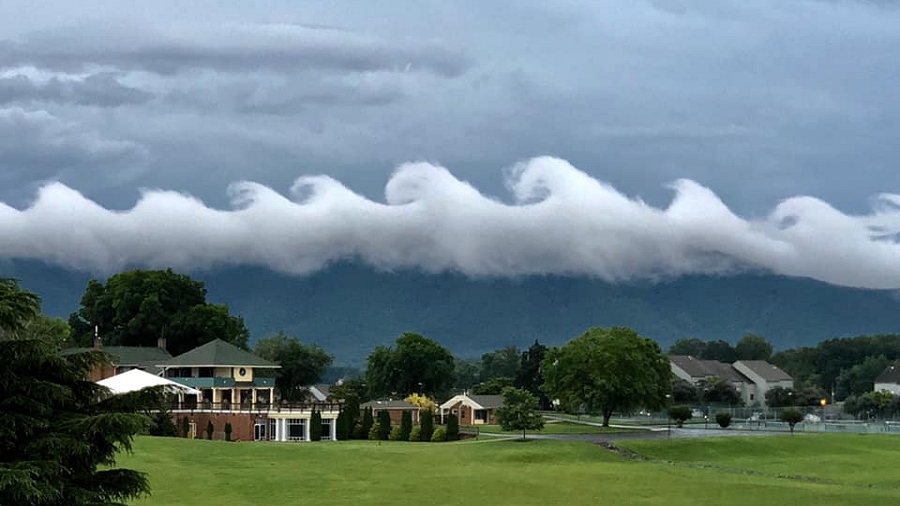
<point x="218" y="353"/>
<point x="143" y="357"/>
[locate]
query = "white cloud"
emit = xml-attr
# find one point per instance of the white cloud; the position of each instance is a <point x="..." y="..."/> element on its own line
<point x="560" y="220"/>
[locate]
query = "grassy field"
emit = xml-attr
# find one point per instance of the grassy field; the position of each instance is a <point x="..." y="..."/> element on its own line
<point x="832" y="470"/>
<point x="553" y="428"/>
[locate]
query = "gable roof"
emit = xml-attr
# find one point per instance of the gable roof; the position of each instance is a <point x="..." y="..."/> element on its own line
<point x="137" y="379"/>
<point x="218" y="353"/>
<point x="143" y="357"/>
<point x="767" y="371"/>
<point x="488" y="401"/>
<point x="694" y="367"/>
<point x="891" y="374"/>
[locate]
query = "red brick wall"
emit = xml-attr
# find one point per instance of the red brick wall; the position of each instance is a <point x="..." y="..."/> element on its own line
<point x="241" y="424"/>
<point x="397" y="416"/>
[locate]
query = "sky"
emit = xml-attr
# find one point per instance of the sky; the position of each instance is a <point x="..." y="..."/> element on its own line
<point x="618" y="139"/>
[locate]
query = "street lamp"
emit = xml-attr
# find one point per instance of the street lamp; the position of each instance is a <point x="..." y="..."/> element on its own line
<point x="823" y="402"/>
<point x="668" y="416"/>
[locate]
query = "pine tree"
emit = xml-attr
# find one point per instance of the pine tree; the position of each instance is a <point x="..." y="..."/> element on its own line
<point x="185" y="426"/>
<point x="406" y="425"/>
<point x="426" y="420"/>
<point x="228" y="431"/>
<point x="209" y="429"/>
<point x="384" y="425"/>
<point x="342" y="431"/>
<point x="60" y="434"/>
<point x="367" y="422"/>
<point x="452" y="427"/>
<point x="315" y="426"/>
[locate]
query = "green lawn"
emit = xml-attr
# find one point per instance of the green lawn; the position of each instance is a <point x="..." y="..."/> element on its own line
<point x="507" y="472"/>
<point x="553" y="428"/>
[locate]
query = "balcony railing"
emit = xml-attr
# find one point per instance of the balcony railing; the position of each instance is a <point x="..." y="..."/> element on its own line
<point x="257" y="407"/>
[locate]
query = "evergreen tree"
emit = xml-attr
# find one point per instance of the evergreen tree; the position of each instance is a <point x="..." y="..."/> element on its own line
<point x="315" y="426"/>
<point x="342" y="429"/>
<point x="406" y="425"/>
<point x="185" y="426"/>
<point x="60" y="434"/>
<point x="227" y="431"/>
<point x="367" y="422"/>
<point x="452" y="427"/>
<point x="209" y="429"/>
<point x="384" y="425"/>
<point x="351" y="412"/>
<point x="426" y="418"/>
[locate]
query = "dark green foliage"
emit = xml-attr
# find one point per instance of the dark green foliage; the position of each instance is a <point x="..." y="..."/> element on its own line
<point x="384" y="424"/>
<point x="452" y="427"/>
<point x="519" y="411"/>
<point x="342" y="427"/>
<point x="719" y="350"/>
<point x="680" y="414"/>
<point x="753" y="347"/>
<point x="465" y="373"/>
<point x="228" y="431"/>
<point x="723" y="419"/>
<point x="530" y="377"/>
<point x="60" y="434"/>
<point x="688" y="346"/>
<point x="415" y="434"/>
<point x="367" y="422"/>
<point x="860" y="379"/>
<point x="873" y="405"/>
<point x="301" y="364"/>
<point x="415" y="365"/>
<point x="493" y="386"/>
<point x="352" y="389"/>
<point x="315" y="426"/>
<point x="135" y="308"/>
<point x="683" y="391"/>
<point x="185" y="427"/>
<point x="406" y="424"/>
<point x="357" y="432"/>
<point x="426" y="424"/>
<point x="792" y="417"/>
<point x="161" y="423"/>
<point x="605" y="370"/>
<point x="352" y="418"/>
<point x="397" y="435"/>
<point x="778" y="397"/>
<point x="210" y="428"/>
<point x="502" y="363"/>
<point x="717" y="391"/>
<point x="439" y="436"/>
<point x="374" y="433"/>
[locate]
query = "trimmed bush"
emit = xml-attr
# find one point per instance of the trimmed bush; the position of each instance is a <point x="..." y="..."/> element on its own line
<point x="209" y="429"/>
<point x="406" y="425"/>
<point x="397" y="435"/>
<point x="367" y="422"/>
<point x="416" y="433"/>
<point x="374" y="432"/>
<point x="228" y="429"/>
<point x="315" y="426"/>
<point x="185" y="427"/>
<point x="723" y="419"/>
<point x="792" y="417"/>
<point x="384" y="425"/>
<point x="426" y="424"/>
<point x="439" y="436"/>
<point x="452" y="427"/>
<point x="680" y="414"/>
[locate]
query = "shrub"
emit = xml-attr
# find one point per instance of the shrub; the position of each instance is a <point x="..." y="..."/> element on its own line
<point x="374" y="432"/>
<point x="426" y="424"/>
<point x="397" y="435"/>
<point x="342" y="428"/>
<point x="384" y="425"/>
<point x="185" y="426"/>
<point x="209" y="429"/>
<point x="452" y="427"/>
<point x="791" y="417"/>
<point x="416" y="433"/>
<point x="367" y="422"/>
<point x="439" y="436"/>
<point x="228" y="431"/>
<point x="723" y="419"/>
<point x="680" y="414"/>
<point x="315" y="426"/>
<point x="406" y="425"/>
<point x="358" y="431"/>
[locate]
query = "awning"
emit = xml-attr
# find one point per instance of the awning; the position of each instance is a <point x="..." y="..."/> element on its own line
<point x="136" y="379"/>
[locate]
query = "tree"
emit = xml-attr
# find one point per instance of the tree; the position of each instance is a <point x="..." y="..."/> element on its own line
<point x="723" y="419"/>
<point x="367" y="422"/>
<point x="680" y="414"/>
<point x="605" y="370"/>
<point x="753" y="347"/>
<point x="342" y="429"/>
<point x="683" y="391"/>
<point x="210" y="428"/>
<point x="719" y="391"/>
<point x="719" y="350"/>
<point x="415" y="365"/>
<point x="43" y="327"/>
<point x="185" y="426"/>
<point x="351" y="415"/>
<point x="60" y="434"/>
<point x="530" y="376"/>
<point x="406" y="425"/>
<point x="860" y="378"/>
<point x="493" y="386"/>
<point x="301" y="365"/>
<point x="502" y="363"/>
<point x="137" y="307"/>
<point x="792" y="417"/>
<point x="778" y="397"/>
<point x="688" y="346"/>
<point x="452" y="427"/>
<point x="426" y="424"/>
<point x="384" y="425"/>
<point x="519" y="411"/>
<point x="421" y="401"/>
<point x="465" y="373"/>
<point x="315" y="425"/>
<point x="228" y="429"/>
<point x="353" y="388"/>
<point x="17" y="306"/>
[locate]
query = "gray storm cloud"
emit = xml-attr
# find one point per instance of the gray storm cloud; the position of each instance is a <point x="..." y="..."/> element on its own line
<point x="560" y="220"/>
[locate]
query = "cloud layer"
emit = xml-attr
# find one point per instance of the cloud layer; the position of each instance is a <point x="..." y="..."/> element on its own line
<point x="559" y="220"/>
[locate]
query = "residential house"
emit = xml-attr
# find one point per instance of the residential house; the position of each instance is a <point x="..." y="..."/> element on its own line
<point x="472" y="409"/>
<point x="395" y="409"/>
<point x="889" y="380"/>
<point x="238" y="387"/>
<point x="751" y="378"/>
<point x="765" y="376"/>
<point x="124" y="358"/>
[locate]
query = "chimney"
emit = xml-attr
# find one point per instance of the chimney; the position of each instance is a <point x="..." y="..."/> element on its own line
<point x="161" y="343"/>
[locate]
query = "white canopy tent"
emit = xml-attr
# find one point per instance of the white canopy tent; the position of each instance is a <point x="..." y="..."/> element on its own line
<point x="136" y="379"/>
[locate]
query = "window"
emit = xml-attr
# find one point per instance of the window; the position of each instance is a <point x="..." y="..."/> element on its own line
<point x="272" y="428"/>
<point x="751" y="397"/>
<point x="326" y="429"/>
<point x="296" y="429"/>
<point x="259" y="430"/>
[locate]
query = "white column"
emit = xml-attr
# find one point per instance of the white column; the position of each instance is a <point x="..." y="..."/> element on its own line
<point x="333" y="426"/>
<point x="306" y="427"/>
<point x="283" y="430"/>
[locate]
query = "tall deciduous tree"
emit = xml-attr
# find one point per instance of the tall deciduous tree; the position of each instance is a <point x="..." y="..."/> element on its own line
<point x="753" y="347"/>
<point x="135" y="308"/>
<point x="502" y="363"/>
<point x="688" y="346"/>
<point x="530" y="376"/>
<point x="519" y="411"/>
<point x="301" y="365"/>
<point x="415" y="364"/>
<point x="719" y="350"/>
<point x="605" y="370"/>
<point x="59" y="434"/>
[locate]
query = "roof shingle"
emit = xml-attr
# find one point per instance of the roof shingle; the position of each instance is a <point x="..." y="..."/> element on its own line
<point x="218" y="353"/>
